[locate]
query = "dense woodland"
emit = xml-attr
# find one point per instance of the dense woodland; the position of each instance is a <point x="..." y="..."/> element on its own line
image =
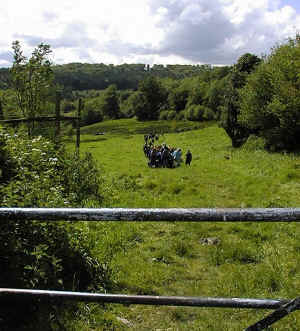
<point x="256" y="99"/>
<point x="85" y="76"/>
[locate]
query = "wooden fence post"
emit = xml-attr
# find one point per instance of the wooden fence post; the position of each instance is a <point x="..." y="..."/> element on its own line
<point x="1" y="111"/>
<point x="57" y="118"/>
<point x="78" y="125"/>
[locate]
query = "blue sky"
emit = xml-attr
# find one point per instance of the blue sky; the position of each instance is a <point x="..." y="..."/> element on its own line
<point x="293" y="3"/>
<point x="147" y="31"/>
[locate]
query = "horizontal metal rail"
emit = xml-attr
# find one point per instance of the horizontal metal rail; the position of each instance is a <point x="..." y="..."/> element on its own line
<point x="282" y="306"/>
<point x="154" y="214"/>
<point x="19" y="294"/>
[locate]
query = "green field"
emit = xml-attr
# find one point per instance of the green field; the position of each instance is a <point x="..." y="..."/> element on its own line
<point x="247" y="260"/>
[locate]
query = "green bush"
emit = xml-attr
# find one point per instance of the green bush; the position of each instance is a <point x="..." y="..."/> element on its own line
<point x="194" y="113"/>
<point x="254" y="143"/>
<point x="171" y="115"/>
<point x="270" y="102"/>
<point x="91" y="117"/>
<point x="91" y="113"/>
<point x="163" y="115"/>
<point x="45" y="255"/>
<point x="208" y="114"/>
<point x="168" y="115"/>
<point x="46" y="177"/>
<point x="181" y="115"/>
<point x="6" y="164"/>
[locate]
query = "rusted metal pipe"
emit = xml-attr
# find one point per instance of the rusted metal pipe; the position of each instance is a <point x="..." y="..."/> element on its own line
<point x="154" y="214"/>
<point x="23" y="294"/>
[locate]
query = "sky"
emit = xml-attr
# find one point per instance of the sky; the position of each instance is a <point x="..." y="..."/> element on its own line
<point x="213" y="32"/>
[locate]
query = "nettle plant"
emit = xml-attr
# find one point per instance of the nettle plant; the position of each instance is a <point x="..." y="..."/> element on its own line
<point x="45" y="255"/>
<point x="36" y="181"/>
<point x="46" y="177"/>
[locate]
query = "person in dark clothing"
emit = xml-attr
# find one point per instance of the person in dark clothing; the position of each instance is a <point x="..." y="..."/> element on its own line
<point x="188" y="158"/>
<point x="146" y="149"/>
<point x="164" y="156"/>
<point x="153" y="158"/>
<point x="146" y="137"/>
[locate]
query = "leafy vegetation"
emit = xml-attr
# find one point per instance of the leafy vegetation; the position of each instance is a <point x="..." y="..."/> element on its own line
<point x="237" y="132"/>
<point x="270" y="100"/>
<point x="31" y="80"/>
<point x="39" y="254"/>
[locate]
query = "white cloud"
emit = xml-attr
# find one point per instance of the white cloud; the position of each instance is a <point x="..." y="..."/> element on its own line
<point x="195" y="14"/>
<point x="166" y="31"/>
<point x="238" y="10"/>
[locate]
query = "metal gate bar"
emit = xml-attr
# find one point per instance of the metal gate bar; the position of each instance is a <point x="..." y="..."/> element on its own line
<point x="154" y="214"/>
<point x="282" y="306"/>
<point x="18" y="294"/>
<point x="276" y="315"/>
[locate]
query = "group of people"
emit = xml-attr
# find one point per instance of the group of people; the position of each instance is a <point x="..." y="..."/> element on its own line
<point x="163" y="156"/>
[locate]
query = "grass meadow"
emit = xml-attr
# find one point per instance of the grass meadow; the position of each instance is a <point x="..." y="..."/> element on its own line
<point x="246" y="260"/>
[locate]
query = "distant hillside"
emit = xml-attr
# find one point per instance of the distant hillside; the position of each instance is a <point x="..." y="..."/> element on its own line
<point x="84" y="76"/>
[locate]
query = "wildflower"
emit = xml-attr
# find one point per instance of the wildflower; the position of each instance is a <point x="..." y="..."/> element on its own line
<point x="53" y="159"/>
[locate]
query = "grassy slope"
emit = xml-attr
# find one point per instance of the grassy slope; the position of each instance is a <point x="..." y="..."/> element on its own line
<point x="252" y="260"/>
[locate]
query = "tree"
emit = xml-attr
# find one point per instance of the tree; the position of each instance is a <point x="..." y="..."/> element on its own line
<point x="197" y="93"/>
<point x="178" y="98"/>
<point x="32" y="79"/>
<point x="229" y="118"/>
<point x="138" y="105"/>
<point x="215" y="95"/>
<point x="126" y="103"/>
<point x="237" y="132"/>
<point x="153" y="96"/>
<point x="270" y="100"/>
<point x="109" y="104"/>
<point x="247" y="62"/>
<point x="91" y="112"/>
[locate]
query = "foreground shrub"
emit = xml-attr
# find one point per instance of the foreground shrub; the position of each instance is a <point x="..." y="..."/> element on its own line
<point x="46" y="177"/>
<point x="45" y="255"/>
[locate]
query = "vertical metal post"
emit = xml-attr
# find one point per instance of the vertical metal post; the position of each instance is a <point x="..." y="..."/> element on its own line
<point x="78" y="125"/>
<point x="57" y="118"/>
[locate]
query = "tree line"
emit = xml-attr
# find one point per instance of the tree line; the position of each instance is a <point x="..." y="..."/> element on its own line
<point x="257" y="97"/>
<point x="86" y="76"/>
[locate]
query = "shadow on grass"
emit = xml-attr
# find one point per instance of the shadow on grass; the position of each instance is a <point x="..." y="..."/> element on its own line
<point x="90" y="140"/>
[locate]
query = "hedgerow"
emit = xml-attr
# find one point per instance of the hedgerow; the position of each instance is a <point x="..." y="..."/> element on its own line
<point x="45" y="255"/>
